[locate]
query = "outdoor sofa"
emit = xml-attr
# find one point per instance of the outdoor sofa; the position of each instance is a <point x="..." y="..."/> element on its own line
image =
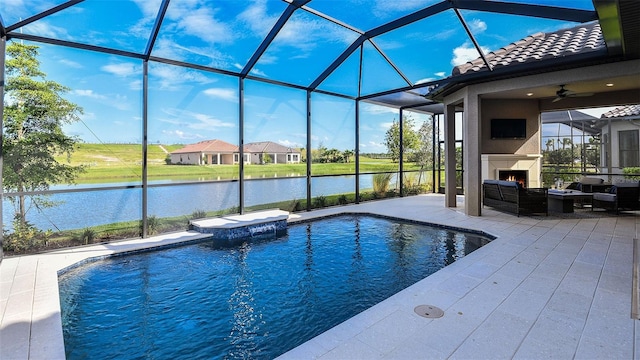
<point x="589" y="185"/>
<point x="623" y="195"/>
<point x="512" y="197"/>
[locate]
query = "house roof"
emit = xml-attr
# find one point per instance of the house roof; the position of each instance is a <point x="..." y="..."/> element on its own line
<point x="537" y="53"/>
<point x="267" y="147"/>
<point x="217" y="146"/>
<point x="581" y="39"/>
<point x="623" y="112"/>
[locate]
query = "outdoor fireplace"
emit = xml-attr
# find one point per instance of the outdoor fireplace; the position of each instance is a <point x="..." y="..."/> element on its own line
<point x="514" y="175"/>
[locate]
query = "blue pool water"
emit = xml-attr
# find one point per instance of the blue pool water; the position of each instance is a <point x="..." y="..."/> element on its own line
<point x="251" y="299"/>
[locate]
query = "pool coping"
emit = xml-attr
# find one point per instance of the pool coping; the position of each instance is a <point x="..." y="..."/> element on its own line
<point x="31" y="325"/>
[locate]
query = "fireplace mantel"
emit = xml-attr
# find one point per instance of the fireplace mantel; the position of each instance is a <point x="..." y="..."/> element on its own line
<point x="498" y="157"/>
<point x="532" y="163"/>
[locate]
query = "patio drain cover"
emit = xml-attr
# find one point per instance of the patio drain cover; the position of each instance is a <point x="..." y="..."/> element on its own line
<point x="429" y="311"/>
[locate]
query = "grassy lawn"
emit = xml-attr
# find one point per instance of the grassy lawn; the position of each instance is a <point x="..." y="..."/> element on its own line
<point x="107" y="163"/>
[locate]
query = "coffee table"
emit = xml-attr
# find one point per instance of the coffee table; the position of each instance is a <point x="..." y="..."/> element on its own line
<point x="563" y="200"/>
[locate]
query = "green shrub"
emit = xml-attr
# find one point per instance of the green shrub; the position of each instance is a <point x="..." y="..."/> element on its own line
<point x="631" y="173"/>
<point x="153" y="225"/>
<point x="320" y="201"/>
<point x="87" y="236"/>
<point x="293" y="205"/>
<point x="342" y="199"/>
<point x="381" y="183"/>
<point x="25" y="237"/>
<point x="198" y="214"/>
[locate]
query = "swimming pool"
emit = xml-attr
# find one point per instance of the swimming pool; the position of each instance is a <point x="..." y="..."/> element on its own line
<point x="247" y="299"/>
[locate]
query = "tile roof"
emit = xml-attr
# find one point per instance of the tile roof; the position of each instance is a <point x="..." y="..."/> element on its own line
<point x="208" y="146"/>
<point x="219" y="146"/>
<point x="581" y="39"/>
<point x="267" y="147"/>
<point x="622" y="111"/>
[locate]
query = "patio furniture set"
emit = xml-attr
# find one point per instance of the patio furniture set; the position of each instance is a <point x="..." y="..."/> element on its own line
<point x="511" y="196"/>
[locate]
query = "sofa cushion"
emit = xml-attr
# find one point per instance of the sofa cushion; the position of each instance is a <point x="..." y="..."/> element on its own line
<point x="604" y="197"/>
<point x="514" y="184"/>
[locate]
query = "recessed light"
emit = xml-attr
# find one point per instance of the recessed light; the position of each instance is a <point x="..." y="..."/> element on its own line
<point x="529" y="94"/>
<point x="609" y="84"/>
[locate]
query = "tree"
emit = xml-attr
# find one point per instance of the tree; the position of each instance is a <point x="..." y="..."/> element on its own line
<point x="347" y="154"/>
<point x="424" y="153"/>
<point x="410" y="138"/>
<point x="34" y="113"/>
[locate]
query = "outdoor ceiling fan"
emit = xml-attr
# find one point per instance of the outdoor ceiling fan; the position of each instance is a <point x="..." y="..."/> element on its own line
<point x="565" y="93"/>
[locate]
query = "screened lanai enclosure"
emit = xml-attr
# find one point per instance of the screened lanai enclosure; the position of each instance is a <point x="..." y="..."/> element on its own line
<point x="101" y="97"/>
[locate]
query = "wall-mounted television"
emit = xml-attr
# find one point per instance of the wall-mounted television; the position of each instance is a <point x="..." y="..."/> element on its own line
<point x="508" y="128"/>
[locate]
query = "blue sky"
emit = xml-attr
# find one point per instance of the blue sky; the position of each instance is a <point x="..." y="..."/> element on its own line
<point x="188" y="105"/>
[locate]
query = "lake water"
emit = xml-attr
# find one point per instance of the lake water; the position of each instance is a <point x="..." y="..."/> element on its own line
<point x="78" y="210"/>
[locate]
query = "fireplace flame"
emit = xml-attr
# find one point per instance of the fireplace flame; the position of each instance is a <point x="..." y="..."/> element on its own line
<point x="511" y="178"/>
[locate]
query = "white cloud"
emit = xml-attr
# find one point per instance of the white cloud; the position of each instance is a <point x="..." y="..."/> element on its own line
<point x="477" y="26"/>
<point x="224" y="94"/>
<point x="121" y="69"/>
<point x="373" y="146"/>
<point x="182" y="135"/>
<point x="43" y="28"/>
<point x="88" y="116"/>
<point x="257" y="18"/>
<point x="258" y="72"/>
<point x="288" y="143"/>
<point x="386" y="125"/>
<point x="377" y="109"/>
<point x="302" y="33"/>
<point x="149" y="7"/>
<point x="425" y="80"/>
<point x="120" y="102"/>
<point x="207" y="122"/>
<point x="440" y="74"/>
<point x="70" y="63"/>
<point x="385" y="8"/>
<point x="466" y="52"/>
<point x="194" y="120"/>
<point x="201" y="22"/>
<point x="89" y="94"/>
<point x="135" y="85"/>
<point x="171" y="77"/>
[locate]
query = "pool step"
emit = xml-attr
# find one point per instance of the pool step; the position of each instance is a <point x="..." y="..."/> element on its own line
<point x="249" y="225"/>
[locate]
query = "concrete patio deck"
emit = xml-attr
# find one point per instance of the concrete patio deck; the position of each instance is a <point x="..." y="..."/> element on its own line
<point x="545" y="288"/>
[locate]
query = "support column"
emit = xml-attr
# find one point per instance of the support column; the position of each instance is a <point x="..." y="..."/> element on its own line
<point x="3" y="51"/>
<point x="145" y="122"/>
<point x="471" y="155"/>
<point x="401" y="152"/>
<point x="450" y="156"/>
<point x="609" y="156"/>
<point x="308" y="149"/>
<point x="241" y="145"/>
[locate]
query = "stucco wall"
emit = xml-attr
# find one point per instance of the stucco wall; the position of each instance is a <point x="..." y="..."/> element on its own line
<point x="511" y="109"/>
<point x="616" y="126"/>
<point x="190" y="158"/>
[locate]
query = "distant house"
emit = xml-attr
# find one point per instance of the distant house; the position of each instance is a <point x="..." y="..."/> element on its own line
<point x="264" y="152"/>
<point x="215" y="152"/>
<point x="620" y="138"/>
<point x="210" y="152"/>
